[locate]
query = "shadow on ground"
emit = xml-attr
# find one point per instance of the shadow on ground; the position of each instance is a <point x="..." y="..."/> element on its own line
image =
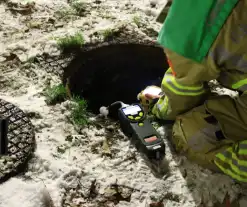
<point x="106" y="73"/>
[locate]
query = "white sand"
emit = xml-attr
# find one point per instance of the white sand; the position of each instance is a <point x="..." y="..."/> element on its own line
<point x="52" y="173"/>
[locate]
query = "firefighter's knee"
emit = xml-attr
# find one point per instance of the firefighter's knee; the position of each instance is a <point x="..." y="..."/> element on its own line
<point x="198" y="139"/>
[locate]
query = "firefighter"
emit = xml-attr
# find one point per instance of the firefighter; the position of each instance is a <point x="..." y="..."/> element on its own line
<point x="203" y="41"/>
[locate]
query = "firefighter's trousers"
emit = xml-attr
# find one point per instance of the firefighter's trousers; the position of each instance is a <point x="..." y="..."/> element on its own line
<point x="214" y="135"/>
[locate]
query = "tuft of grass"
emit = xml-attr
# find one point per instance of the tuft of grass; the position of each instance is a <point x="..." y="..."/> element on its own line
<point x="79" y="113"/>
<point x="108" y="33"/>
<point x="76" y="8"/>
<point x="55" y="94"/>
<point x="137" y="20"/>
<point x="79" y="7"/>
<point x="64" y="12"/>
<point x="71" y="41"/>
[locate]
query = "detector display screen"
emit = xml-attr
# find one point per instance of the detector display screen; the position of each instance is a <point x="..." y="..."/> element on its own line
<point x="132" y="110"/>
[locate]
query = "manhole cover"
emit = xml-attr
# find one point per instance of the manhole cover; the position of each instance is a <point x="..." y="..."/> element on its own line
<point x="21" y="140"/>
<point x="110" y="72"/>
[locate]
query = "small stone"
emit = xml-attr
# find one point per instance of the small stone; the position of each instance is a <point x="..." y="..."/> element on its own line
<point x="33" y="114"/>
<point x="26" y="29"/>
<point x="52" y="20"/>
<point x="2" y="59"/>
<point x="86" y="27"/>
<point x="59" y="25"/>
<point x="51" y="48"/>
<point x="109" y="192"/>
<point x="150" y="12"/>
<point x="125" y="192"/>
<point x="153" y="3"/>
<point x="17" y="46"/>
<point x="23" y="57"/>
<point x="153" y="12"/>
<point x="33" y="53"/>
<point x="34" y="24"/>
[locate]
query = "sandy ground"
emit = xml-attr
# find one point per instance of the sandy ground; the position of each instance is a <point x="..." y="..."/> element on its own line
<point x="76" y="172"/>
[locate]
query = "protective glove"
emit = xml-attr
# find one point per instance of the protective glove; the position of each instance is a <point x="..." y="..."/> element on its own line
<point x="149" y="96"/>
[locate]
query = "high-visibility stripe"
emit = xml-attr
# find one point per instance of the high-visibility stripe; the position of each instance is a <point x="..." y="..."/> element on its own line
<point x="162" y="104"/>
<point x="228" y="171"/>
<point x="187" y="87"/>
<point x="232" y="163"/>
<point x="243" y="148"/>
<point x="169" y="71"/>
<point x="170" y="82"/>
<point x="238" y="166"/>
<point x="160" y="108"/>
<point x="243" y="142"/>
<point x="240" y="85"/>
<point x="236" y="160"/>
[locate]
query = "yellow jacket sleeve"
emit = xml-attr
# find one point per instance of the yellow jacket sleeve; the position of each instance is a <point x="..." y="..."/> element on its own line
<point x="184" y="86"/>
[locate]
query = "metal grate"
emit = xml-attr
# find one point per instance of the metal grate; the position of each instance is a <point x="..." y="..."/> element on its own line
<point x="21" y="140"/>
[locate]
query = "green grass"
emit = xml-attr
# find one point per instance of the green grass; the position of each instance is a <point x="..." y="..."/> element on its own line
<point x="137" y="20"/>
<point x="76" y="8"/>
<point x="79" y="7"/>
<point x="64" y="12"/>
<point x="79" y="113"/>
<point x="55" y="94"/>
<point x="71" y="41"/>
<point x="108" y="33"/>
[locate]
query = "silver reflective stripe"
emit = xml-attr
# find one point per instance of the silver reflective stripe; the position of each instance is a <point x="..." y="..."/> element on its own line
<point x="160" y="106"/>
<point x="225" y="80"/>
<point x="170" y="82"/>
<point x="235" y="162"/>
<point x="243" y="88"/>
<point x="242" y="145"/>
<point x="220" y="55"/>
<point x="226" y="167"/>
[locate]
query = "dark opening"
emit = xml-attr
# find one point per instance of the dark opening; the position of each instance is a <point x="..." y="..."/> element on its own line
<point x="117" y="72"/>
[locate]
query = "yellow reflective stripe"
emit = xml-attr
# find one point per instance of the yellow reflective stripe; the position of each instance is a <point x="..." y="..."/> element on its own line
<point x="239" y="84"/>
<point x="160" y="108"/>
<point x="156" y="112"/>
<point x="170" y="82"/>
<point x="169" y="71"/>
<point x="243" y="147"/>
<point x="230" y="173"/>
<point x="243" y="142"/>
<point x="232" y="163"/>
<point x="229" y="161"/>
<point x="163" y="105"/>
<point x="242" y="151"/>
<point x="185" y="87"/>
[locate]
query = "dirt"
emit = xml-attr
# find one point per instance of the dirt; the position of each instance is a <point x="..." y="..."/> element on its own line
<point x="74" y="167"/>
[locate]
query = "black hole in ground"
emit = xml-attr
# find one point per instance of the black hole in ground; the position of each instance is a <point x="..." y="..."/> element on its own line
<point x="110" y="73"/>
